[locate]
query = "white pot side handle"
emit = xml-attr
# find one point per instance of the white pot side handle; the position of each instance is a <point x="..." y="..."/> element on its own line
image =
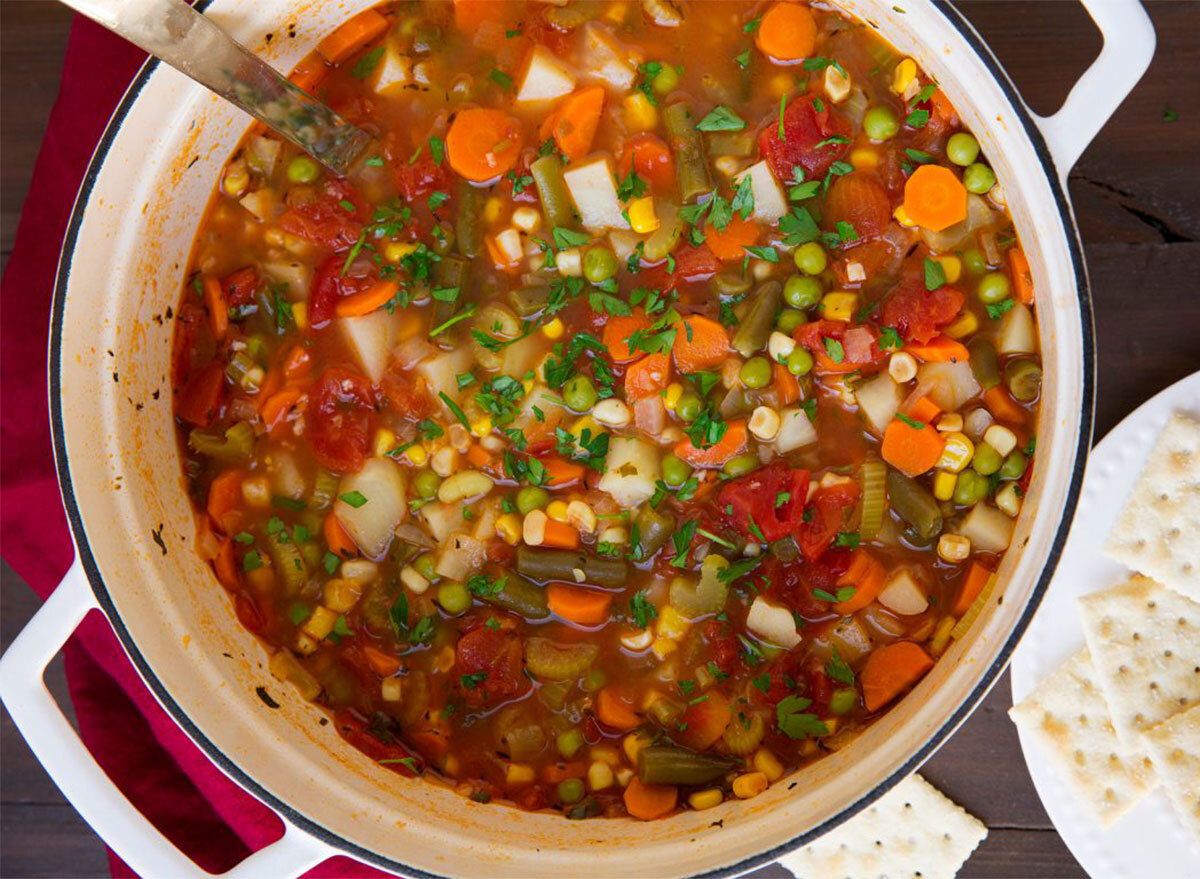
<point x="1128" y="47"/>
<point x="65" y="758"/>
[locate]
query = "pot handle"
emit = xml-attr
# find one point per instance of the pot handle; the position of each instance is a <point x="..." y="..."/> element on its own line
<point x="65" y="758"/>
<point x="1128" y="47"/>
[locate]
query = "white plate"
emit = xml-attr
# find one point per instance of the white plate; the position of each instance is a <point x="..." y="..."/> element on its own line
<point x="1148" y="840"/>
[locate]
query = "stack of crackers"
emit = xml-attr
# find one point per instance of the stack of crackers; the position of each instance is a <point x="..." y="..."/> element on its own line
<point x="1122" y="716"/>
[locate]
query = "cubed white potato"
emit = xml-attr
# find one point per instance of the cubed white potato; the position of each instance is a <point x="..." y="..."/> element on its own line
<point x="605" y="58"/>
<point x="770" y="203"/>
<point x="903" y="594"/>
<point x="594" y="191"/>
<point x="295" y="275"/>
<point x="950" y="385"/>
<point x="630" y="471"/>
<point x="261" y="203"/>
<point x="442" y="520"/>
<point x="287" y="480"/>
<point x="522" y="355"/>
<point x="850" y="639"/>
<point x="441" y="372"/>
<point x="262" y="153"/>
<point x="370" y="338"/>
<point x="878" y="399"/>
<point x="795" y="431"/>
<point x="772" y="623"/>
<point x="623" y="242"/>
<point x="544" y="77"/>
<point x="1016" y="334"/>
<point x="380" y="482"/>
<point x="988" y="528"/>
<point x="395" y="71"/>
<point x="461" y="557"/>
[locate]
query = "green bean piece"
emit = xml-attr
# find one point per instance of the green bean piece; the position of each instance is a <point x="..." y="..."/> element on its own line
<point x="691" y="168"/>
<point x="543" y="565"/>
<point x="915" y="504"/>
<point x="530" y="498"/>
<point x="453" y="597"/>
<point x="528" y="301"/>
<point x="666" y="711"/>
<point x="737" y="402"/>
<point x="1014" y="465"/>
<point x="728" y="284"/>
<point x="671" y="764"/>
<point x="984" y="364"/>
<point x="521" y="597"/>
<point x="654" y="529"/>
<point x="755" y="328"/>
<point x="663" y="239"/>
<point x="1024" y="380"/>
<point x="468" y="229"/>
<point x="739" y="144"/>
<point x="547" y="173"/>
<point x="236" y="446"/>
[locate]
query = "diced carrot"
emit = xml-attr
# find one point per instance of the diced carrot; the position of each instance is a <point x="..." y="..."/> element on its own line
<point x="200" y="399"/>
<point x="309" y="73"/>
<point x="1022" y="277"/>
<point x="648" y="802"/>
<point x="923" y="409"/>
<point x="274" y="380"/>
<point x="588" y="607"/>
<point x="703" y="722"/>
<point x="942" y="110"/>
<point x="651" y="158"/>
<point x="911" y="450"/>
<point x="617" y="331"/>
<point x="647" y="377"/>
<point x="561" y="473"/>
<point x="890" y="670"/>
<point x="339" y="542"/>
<point x="700" y="343"/>
<point x="615" y="711"/>
<point x="574" y="122"/>
<point x="479" y="456"/>
<point x="376" y="296"/>
<point x="788" y="32"/>
<point x="865" y="575"/>
<point x="787" y="388"/>
<point x="935" y="198"/>
<point x="560" y="535"/>
<point x="559" y="772"/>
<point x="352" y="36"/>
<point x="500" y="259"/>
<point x="482" y="144"/>
<point x="278" y="405"/>
<point x="223" y="495"/>
<point x="939" y="349"/>
<point x="218" y="307"/>
<point x="297" y="363"/>
<point x="470" y="14"/>
<point x="1002" y="406"/>
<point x="861" y="200"/>
<point x="225" y="564"/>
<point x="974" y="581"/>
<point x="383" y="664"/>
<point x="728" y="244"/>
<point x="732" y="443"/>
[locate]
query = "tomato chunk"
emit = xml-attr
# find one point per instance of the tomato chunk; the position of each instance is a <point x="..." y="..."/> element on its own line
<point x="340" y="415"/>
<point x="488" y="663"/>
<point x="918" y="314"/>
<point x="330" y="285"/>
<point x="829" y="506"/>
<point x="769" y="500"/>
<point x="806" y="132"/>
<point x="334" y="219"/>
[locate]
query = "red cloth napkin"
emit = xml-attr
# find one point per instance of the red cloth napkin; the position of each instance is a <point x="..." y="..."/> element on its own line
<point x="158" y="768"/>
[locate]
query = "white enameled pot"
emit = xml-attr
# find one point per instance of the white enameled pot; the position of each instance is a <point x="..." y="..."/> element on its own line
<point x="120" y="275"/>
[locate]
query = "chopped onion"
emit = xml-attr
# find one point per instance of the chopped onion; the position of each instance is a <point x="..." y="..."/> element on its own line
<point x="412" y="351"/>
<point x="650" y="415"/>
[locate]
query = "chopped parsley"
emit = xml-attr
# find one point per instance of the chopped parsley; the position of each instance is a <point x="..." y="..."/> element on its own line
<point x="642" y="609"/>
<point x="794" y="723"/>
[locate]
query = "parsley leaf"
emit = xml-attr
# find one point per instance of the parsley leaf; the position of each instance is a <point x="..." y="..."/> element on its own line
<point x="911" y="422"/>
<point x="935" y="275"/>
<point x="501" y="79"/>
<point x="834" y="349"/>
<point x="837" y="669"/>
<point x="682" y="541"/>
<point x="721" y="119"/>
<point x="355" y="499"/>
<point x="889" y="338"/>
<point x="642" y="609"/>
<point x="795" y="724"/>
<point x="995" y="309"/>
<point x="366" y="65"/>
<point x="569" y="238"/>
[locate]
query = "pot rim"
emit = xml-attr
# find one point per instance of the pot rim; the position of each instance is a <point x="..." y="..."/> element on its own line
<point x="341" y="844"/>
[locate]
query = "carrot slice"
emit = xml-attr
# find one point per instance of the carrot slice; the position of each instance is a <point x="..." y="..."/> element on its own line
<point x="223" y="495"/>
<point x="935" y="198"/>
<point x="1022" y="277"/>
<point x="787" y="388"/>
<point x="647" y="377"/>
<point x="615" y="711"/>
<point x="865" y="575"/>
<point x="352" y="36"/>
<point x="788" y="32"/>
<point x="383" y="664"/>
<point x="587" y="607"/>
<point x="218" y="307"/>
<point x="309" y="73"/>
<point x="923" y="409"/>
<point x="225" y="564"/>
<point x="703" y="722"/>
<point x="732" y="443"/>
<point x="939" y="349"/>
<point x="972" y="584"/>
<point x="483" y="144"/>
<point x="297" y="363"/>
<point x="700" y="343"/>
<point x="574" y="122"/>
<point x="340" y="543"/>
<point x="1001" y="405"/>
<point x="560" y="535"/>
<point x="376" y="296"/>
<point x="890" y="670"/>
<point x="911" y="450"/>
<point x="651" y="158"/>
<point x="728" y="244"/>
<point x="479" y="457"/>
<point x="561" y="473"/>
<point x="617" y="331"/>
<point x="276" y="407"/>
<point x="559" y="772"/>
<point x="650" y="801"/>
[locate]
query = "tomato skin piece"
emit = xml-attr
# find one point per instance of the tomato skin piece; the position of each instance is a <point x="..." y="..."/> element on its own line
<point x="860" y="200"/>
<point x="239" y="287"/>
<point x="406" y="394"/>
<point x="918" y="314"/>
<point x="692" y="266"/>
<point x="330" y="286"/>
<point x="325" y="220"/>
<point x="758" y="495"/>
<point x="804" y="126"/>
<point x="420" y="178"/>
<point x="495" y="653"/>
<point x="377" y="742"/>
<point x="202" y="397"/>
<point x="813" y="335"/>
<point x="340" y="415"/>
<point x="829" y="505"/>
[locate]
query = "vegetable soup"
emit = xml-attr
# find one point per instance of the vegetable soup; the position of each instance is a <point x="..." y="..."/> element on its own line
<point x="643" y="416"/>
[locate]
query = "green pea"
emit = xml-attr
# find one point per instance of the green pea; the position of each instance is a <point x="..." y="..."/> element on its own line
<point x="993" y="287"/>
<point x="986" y="460"/>
<point x="675" y="471"/>
<point x="579" y="393"/>
<point x="880" y="123"/>
<point x="970" y="488"/>
<point x="979" y="178"/>
<point x="688" y="407"/>
<point x="667" y="80"/>
<point x="453" y="597"/>
<point x="302" y="169"/>
<point x="599" y="265"/>
<point x="1024" y="380"/>
<point x="426" y="483"/>
<point x="1014" y="465"/>
<point x="843" y="700"/>
<point x="810" y="258"/>
<point x="974" y="261"/>
<point x="756" y="372"/>
<point x="569" y="742"/>
<point x="962" y="149"/>
<point x="802" y="292"/>
<point x="531" y="498"/>
<point x="426" y="566"/>
<point x="799" y="362"/>
<point x="570" y="791"/>
<point x="789" y="319"/>
<point x="740" y="465"/>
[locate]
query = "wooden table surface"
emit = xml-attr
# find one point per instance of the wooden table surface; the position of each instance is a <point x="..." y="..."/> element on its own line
<point x="1137" y="197"/>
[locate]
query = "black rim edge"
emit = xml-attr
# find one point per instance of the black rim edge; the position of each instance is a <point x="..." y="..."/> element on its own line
<point x="286" y="811"/>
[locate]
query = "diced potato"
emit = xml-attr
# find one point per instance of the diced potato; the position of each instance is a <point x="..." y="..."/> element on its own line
<point x="395" y="71"/>
<point x="606" y="59"/>
<point x="850" y="639"/>
<point x="287" y="480"/>
<point x="988" y="528"/>
<point x="370" y="338"/>
<point x="442" y="520"/>
<point x="261" y="203"/>
<point x="770" y="203"/>
<point x="522" y="355"/>
<point x="623" y="243"/>
<point x="461" y="557"/>
<point x="441" y="372"/>
<point x="795" y="431"/>
<point x="545" y="77"/>
<point x="631" y="469"/>
<point x="1016" y="334"/>
<point x="950" y="384"/>
<point x="878" y="400"/>
<point x="772" y="623"/>
<point x="370" y="524"/>
<point x="903" y="594"/>
<point x="594" y="191"/>
<point x="296" y="275"/>
<point x="262" y="153"/>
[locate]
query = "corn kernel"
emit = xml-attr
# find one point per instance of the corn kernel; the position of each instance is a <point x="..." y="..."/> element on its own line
<point x="951" y="267"/>
<point x="728" y="166"/>
<point x="903" y="75"/>
<point x="305" y="644"/>
<point x="320" y="623"/>
<point x="706" y="799"/>
<point x="961" y="326"/>
<point x="300" y="315"/>
<point x="1000" y="438"/>
<point x="481" y="427"/>
<point x="557" y="510"/>
<point x="341" y="594"/>
<point x="1008" y="500"/>
<point x="394" y="251"/>
<point x="953" y="548"/>
<point x="640" y="114"/>
<point x="624" y="776"/>
<point x="781" y="84"/>
<point x="451" y="766"/>
<point x="527" y="219"/>
<point x="749" y="785"/>
<point x="837" y="85"/>
<point x="839" y="305"/>
<point x="554" y="329"/>
<point x="633" y="744"/>
<point x="943" y="485"/>
<point x="600" y="776"/>
<point x="417" y="455"/>
<point x="617" y="12"/>
<point x="519" y="773"/>
<point x="569" y="262"/>
<point x="809" y="748"/>
<point x="413" y="580"/>
<point x="236" y="179"/>
<point x="864" y="159"/>
<point x="957" y="453"/>
<point x="642" y="217"/>
<point x="585" y="423"/>
<point x="384" y="442"/>
<point x="664" y="647"/>
<point x="671" y="395"/>
<point x="390" y="690"/>
<point x="256" y="491"/>
<point x="901" y="217"/>
<point x="671" y="624"/>
<point x="492" y="208"/>
<point x="950" y="422"/>
<point x="445" y="659"/>
<point x="604" y="754"/>
<point x="508" y="527"/>
<point x="768" y="764"/>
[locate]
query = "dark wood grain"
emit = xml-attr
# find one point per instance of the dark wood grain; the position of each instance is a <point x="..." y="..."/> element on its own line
<point x="1137" y="201"/>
